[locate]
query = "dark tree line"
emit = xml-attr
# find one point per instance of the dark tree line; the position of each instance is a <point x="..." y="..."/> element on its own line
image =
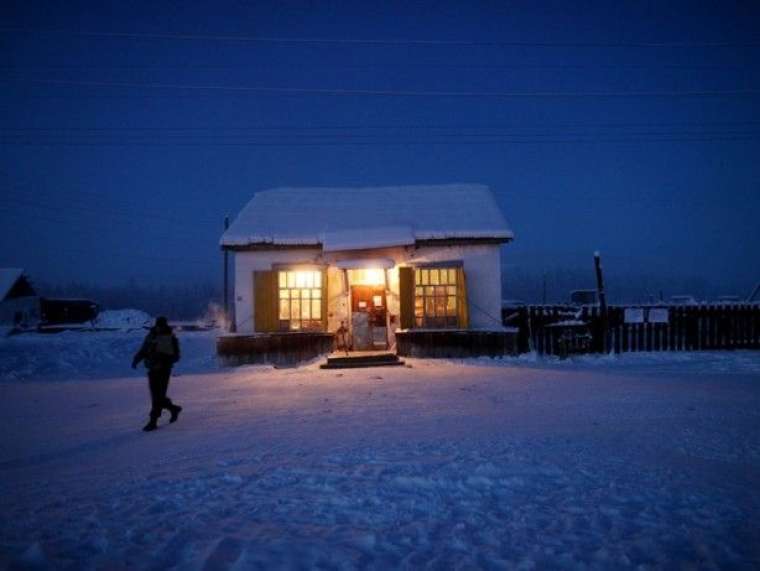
<point x="528" y="285"/>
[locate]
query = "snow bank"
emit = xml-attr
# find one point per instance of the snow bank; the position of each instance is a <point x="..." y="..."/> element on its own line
<point x="123" y="319"/>
<point x="92" y="355"/>
<point x="106" y="354"/>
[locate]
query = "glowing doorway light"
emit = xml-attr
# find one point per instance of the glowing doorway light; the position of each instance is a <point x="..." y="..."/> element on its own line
<point x="367" y="277"/>
<point x="374" y="276"/>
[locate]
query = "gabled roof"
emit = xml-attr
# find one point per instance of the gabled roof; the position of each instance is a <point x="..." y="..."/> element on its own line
<point x="8" y="278"/>
<point x="367" y="217"/>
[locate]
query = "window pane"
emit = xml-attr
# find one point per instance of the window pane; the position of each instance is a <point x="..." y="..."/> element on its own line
<point x="305" y="293"/>
<point x="418" y="291"/>
<point x="295" y="324"/>
<point x="317" y="279"/>
<point x="283" y="279"/>
<point x="316" y="309"/>
<point x="452" y="276"/>
<point x="284" y="309"/>
<point x="425" y="277"/>
<point x="440" y="290"/>
<point x="440" y="306"/>
<point x="444" y="279"/>
<point x="429" y="306"/>
<point x="295" y="308"/>
<point x="429" y="290"/>
<point x="305" y="310"/>
<point x="434" y="277"/>
<point x="316" y="293"/>
<point x="451" y="290"/>
<point x="291" y="279"/>
<point x="309" y="279"/>
<point x="417" y="277"/>
<point x="451" y="305"/>
<point x="284" y="294"/>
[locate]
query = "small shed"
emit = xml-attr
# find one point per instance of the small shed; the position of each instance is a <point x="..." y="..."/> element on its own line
<point x="19" y="302"/>
<point x="363" y="266"/>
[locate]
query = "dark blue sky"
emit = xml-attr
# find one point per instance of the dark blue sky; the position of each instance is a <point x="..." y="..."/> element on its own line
<point x="632" y="128"/>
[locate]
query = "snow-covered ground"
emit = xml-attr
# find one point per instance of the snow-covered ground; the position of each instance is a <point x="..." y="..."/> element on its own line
<point x="640" y="461"/>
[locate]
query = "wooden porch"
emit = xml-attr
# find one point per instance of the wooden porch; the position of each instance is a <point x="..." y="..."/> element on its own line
<point x="283" y="349"/>
<point x="456" y="343"/>
<point x="361" y="359"/>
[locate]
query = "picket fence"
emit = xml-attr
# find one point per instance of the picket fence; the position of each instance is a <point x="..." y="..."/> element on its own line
<point x="547" y="328"/>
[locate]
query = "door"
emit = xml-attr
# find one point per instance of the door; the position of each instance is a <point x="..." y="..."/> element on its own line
<point x="368" y="318"/>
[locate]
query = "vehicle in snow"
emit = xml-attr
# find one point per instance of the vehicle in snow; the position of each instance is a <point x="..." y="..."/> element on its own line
<point x="584" y="297"/>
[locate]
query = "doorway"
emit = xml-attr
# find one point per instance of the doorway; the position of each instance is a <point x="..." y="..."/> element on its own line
<point x="369" y="312"/>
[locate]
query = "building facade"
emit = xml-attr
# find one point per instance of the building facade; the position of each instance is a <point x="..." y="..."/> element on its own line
<point x="365" y="263"/>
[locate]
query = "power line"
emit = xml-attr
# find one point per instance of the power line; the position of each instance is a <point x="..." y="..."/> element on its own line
<point x="390" y="142"/>
<point x="395" y="93"/>
<point x="400" y="126"/>
<point x="399" y="66"/>
<point x="372" y="137"/>
<point x="379" y="41"/>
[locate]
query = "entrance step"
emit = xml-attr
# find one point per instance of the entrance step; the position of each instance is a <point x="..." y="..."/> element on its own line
<point x="362" y="359"/>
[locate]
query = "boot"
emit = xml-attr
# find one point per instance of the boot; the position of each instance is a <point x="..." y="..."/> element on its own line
<point x="176" y="409"/>
<point x="151" y="425"/>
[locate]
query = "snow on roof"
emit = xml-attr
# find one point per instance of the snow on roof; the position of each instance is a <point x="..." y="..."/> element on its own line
<point x="367" y="217"/>
<point x="365" y="238"/>
<point x="8" y="277"/>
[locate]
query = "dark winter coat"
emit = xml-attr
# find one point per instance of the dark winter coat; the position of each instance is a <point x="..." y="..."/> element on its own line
<point x="159" y="350"/>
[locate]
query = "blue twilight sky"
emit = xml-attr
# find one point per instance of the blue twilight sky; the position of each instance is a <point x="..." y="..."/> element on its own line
<point x="129" y="130"/>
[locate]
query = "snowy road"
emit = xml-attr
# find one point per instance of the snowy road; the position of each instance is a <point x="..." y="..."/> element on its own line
<point x="446" y="465"/>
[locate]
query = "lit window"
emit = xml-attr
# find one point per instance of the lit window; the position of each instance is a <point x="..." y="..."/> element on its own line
<point x="435" y="298"/>
<point x="300" y="300"/>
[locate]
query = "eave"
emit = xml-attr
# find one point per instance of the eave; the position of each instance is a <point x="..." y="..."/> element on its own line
<point x="432" y="242"/>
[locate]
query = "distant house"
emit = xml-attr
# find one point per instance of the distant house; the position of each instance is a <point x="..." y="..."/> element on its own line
<point x="19" y="303"/>
<point x="368" y="263"/>
<point x="67" y="311"/>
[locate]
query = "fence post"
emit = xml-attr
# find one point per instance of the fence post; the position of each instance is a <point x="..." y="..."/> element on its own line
<point x="602" y="301"/>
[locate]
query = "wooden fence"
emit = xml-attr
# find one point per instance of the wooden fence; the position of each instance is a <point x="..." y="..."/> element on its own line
<point x="638" y="328"/>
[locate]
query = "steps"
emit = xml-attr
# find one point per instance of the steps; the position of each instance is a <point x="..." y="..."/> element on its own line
<point x="360" y="360"/>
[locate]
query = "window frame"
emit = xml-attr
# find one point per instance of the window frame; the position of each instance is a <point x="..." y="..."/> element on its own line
<point x="314" y="301"/>
<point x="437" y="295"/>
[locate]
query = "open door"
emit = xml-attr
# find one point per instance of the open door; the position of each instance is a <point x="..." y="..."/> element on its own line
<point x="368" y="318"/>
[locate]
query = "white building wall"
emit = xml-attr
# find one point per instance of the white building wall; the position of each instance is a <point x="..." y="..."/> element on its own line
<point x="482" y="272"/>
<point x="248" y="262"/>
<point x="482" y="267"/>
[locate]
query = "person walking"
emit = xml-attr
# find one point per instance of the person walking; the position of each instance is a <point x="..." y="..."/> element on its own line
<point x="160" y="351"/>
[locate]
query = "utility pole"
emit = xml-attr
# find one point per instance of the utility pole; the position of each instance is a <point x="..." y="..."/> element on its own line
<point x="225" y="290"/>
<point x="602" y="302"/>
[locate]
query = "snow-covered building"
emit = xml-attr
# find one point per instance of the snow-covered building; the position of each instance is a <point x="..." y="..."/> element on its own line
<point x="19" y="303"/>
<point x="368" y="263"/>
